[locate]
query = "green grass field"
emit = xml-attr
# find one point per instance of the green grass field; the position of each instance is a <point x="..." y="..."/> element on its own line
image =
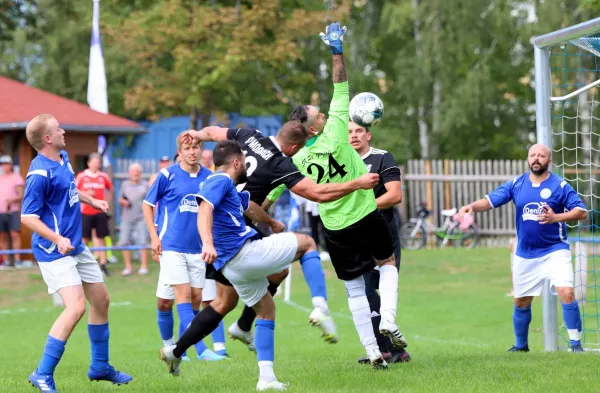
<point x="452" y="309"/>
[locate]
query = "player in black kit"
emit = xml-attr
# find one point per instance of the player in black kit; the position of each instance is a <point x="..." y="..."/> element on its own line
<point x="268" y="164"/>
<point x="388" y="192"/>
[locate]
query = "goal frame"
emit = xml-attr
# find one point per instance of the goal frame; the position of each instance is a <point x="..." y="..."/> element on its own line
<point x="543" y="102"/>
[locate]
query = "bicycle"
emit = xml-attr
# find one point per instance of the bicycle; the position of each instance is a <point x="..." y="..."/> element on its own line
<point x="414" y="234"/>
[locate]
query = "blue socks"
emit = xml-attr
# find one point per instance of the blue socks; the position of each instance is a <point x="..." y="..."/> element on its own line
<point x="313" y="274"/>
<point x="264" y="340"/>
<point x="53" y="351"/>
<point x="99" y="335"/>
<point x="521" y="321"/>
<point x="573" y="321"/>
<point x="165" y="324"/>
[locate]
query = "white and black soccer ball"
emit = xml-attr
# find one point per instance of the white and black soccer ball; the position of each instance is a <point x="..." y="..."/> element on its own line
<point x="366" y="110"/>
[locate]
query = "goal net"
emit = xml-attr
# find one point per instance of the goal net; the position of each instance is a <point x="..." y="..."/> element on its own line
<point x="572" y="58"/>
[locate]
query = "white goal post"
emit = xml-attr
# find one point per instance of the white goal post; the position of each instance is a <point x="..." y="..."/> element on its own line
<point x="544" y="100"/>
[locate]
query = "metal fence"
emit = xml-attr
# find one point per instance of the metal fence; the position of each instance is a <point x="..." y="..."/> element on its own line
<point x="445" y="184"/>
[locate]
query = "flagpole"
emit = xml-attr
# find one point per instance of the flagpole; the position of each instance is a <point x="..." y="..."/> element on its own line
<point x="97" y="95"/>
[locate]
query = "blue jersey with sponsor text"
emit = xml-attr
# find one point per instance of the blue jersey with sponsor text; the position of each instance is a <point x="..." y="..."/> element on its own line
<point x="51" y="195"/>
<point x="176" y="190"/>
<point x="230" y="231"/>
<point x="535" y="240"/>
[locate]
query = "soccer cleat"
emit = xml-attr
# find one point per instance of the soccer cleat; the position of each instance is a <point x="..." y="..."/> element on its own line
<point x="210" y="356"/>
<point x="323" y="321"/>
<point x="222" y="352"/>
<point x="110" y="375"/>
<point x="375" y="357"/>
<point x="366" y="360"/>
<point x="401" y="356"/>
<point x="517" y="349"/>
<point x="185" y="359"/>
<point x="577" y="348"/>
<point x="173" y="362"/>
<point x="390" y="330"/>
<point x="43" y="382"/>
<point x="273" y="385"/>
<point x="235" y="333"/>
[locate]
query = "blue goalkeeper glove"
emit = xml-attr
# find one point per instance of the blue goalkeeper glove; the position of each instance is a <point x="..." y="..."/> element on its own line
<point x="334" y="35"/>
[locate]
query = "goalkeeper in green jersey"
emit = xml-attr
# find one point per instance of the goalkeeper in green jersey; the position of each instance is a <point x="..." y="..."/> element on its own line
<point x="356" y="234"/>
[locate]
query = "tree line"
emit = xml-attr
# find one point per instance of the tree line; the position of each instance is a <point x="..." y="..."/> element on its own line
<point x="456" y="76"/>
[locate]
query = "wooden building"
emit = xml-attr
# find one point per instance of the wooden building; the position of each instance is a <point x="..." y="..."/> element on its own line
<point x="20" y="103"/>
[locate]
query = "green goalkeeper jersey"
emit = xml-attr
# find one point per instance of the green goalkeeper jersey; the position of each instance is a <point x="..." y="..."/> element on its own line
<point x="329" y="158"/>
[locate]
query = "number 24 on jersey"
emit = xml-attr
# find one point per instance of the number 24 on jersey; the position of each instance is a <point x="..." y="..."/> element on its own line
<point x="334" y="169"/>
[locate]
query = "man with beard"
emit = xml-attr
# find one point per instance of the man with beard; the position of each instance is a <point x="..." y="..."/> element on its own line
<point x="542" y="247"/>
<point x="242" y="257"/>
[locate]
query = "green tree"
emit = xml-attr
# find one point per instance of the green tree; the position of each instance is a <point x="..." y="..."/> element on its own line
<point x="220" y="57"/>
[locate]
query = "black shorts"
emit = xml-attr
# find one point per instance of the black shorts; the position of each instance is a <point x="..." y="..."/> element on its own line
<point x="214" y="274"/>
<point x="353" y="250"/>
<point x="10" y="222"/>
<point x="98" y="221"/>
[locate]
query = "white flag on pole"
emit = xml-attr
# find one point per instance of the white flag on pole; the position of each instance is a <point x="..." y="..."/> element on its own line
<point x="97" y="96"/>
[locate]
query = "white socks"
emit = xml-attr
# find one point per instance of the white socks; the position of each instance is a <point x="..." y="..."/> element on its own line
<point x="320" y="302"/>
<point x="388" y="291"/>
<point x="266" y="373"/>
<point x="361" y="312"/>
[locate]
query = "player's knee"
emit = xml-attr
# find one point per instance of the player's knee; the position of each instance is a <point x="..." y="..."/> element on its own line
<point x="355" y="287"/>
<point x="196" y="298"/>
<point x="76" y="308"/>
<point x="205" y="303"/>
<point x="224" y="304"/>
<point x="566" y="294"/>
<point x="279" y="277"/>
<point x="523" y="302"/>
<point x="391" y="261"/>
<point x="164" y="304"/>
<point x="305" y="243"/>
<point x="101" y="301"/>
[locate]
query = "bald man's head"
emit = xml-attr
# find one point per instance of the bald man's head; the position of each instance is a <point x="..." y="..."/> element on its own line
<point x="539" y="159"/>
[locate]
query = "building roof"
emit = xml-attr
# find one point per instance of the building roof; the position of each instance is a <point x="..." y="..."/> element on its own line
<point x="20" y="103"/>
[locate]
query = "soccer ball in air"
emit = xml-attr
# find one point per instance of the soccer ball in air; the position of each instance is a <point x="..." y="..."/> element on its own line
<point x="366" y="110"/>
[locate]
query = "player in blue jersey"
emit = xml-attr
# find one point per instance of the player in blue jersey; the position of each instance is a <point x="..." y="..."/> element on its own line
<point x="51" y="210"/>
<point x="544" y="202"/>
<point x="234" y="249"/>
<point x="177" y="245"/>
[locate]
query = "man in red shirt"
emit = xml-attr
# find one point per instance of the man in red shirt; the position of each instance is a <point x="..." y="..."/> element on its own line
<point x="94" y="182"/>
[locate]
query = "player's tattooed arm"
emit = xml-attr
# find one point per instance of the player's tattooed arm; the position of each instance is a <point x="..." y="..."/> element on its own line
<point x="339" y="69"/>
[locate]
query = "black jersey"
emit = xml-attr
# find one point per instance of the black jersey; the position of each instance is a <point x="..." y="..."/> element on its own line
<point x="384" y="164"/>
<point x="266" y="165"/>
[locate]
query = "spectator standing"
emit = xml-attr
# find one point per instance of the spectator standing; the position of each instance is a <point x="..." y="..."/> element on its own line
<point x="95" y="183"/>
<point x="133" y="228"/>
<point x="206" y="159"/>
<point x="11" y="196"/>
<point x="165" y="162"/>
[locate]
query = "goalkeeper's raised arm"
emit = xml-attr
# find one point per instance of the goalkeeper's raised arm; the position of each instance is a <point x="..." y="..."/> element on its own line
<point x="316" y="122"/>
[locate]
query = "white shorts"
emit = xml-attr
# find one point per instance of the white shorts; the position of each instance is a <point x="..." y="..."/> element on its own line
<point x="164" y="291"/>
<point x="529" y="274"/>
<point x="257" y="259"/>
<point x="70" y="271"/>
<point x="209" y="293"/>
<point x="179" y="268"/>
